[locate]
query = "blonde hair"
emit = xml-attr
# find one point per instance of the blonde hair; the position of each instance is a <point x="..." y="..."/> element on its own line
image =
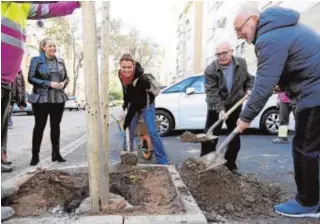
<point x="126" y="57"/>
<point x="43" y="43"/>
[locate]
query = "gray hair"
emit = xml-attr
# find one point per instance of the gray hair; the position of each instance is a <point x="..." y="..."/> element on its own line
<point x="227" y="43"/>
<point x="249" y="10"/>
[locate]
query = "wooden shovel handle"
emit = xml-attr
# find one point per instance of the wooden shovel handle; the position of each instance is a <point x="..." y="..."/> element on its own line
<point x="230" y="111"/>
<point x="224" y="144"/>
<point x="128" y="139"/>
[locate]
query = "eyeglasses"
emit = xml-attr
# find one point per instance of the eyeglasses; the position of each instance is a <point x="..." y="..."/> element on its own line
<point x="223" y="53"/>
<point x="238" y="30"/>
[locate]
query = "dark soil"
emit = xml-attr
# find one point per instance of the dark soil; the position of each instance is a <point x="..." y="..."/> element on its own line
<point x="150" y="191"/>
<point x="230" y="195"/>
<point x="48" y="189"/>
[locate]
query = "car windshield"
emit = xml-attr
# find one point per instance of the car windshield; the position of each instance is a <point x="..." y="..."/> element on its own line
<point x="198" y="85"/>
<point x="180" y="86"/>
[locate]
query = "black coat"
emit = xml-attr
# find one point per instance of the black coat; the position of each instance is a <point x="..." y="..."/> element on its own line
<point x="135" y="94"/>
<point x="40" y="77"/>
<point x="217" y="96"/>
<point x="18" y="93"/>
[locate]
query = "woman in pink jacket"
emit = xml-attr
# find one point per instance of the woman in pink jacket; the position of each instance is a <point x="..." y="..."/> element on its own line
<point x="285" y="107"/>
<point x="14" y="16"/>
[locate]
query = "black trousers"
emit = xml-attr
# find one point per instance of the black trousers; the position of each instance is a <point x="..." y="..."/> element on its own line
<point x="234" y="145"/>
<point x="5" y="114"/>
<point x="285" y="110"/>
<point x="306" y="150"/>
<point x="41" y="112"/>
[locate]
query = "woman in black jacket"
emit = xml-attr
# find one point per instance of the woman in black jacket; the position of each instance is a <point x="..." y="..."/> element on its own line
<point x="48" y="75"/>
<point x="137" y="100"/>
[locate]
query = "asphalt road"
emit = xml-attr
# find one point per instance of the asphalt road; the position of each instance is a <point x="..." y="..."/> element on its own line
<point x="258" y="155"/>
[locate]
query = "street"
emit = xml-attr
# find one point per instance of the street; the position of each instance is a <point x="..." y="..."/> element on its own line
<point x="258" y="155"/>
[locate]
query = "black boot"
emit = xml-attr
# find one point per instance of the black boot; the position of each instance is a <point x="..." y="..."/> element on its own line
<point x="56" y="156"/>
<point x="34" y="159"/>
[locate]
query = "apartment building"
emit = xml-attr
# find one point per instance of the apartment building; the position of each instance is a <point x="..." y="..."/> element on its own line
<point x="217" y="26"/>
<point x="189" y="40"/>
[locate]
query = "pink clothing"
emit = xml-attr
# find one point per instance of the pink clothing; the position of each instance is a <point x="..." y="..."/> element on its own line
<point x="283" y="97"/>
<point x="13" y="35"/>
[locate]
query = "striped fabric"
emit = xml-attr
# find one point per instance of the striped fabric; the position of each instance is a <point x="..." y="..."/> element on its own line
<point x="13" y="30"/>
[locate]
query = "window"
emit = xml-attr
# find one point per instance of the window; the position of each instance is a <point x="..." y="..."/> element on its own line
<point x="180" y="86"/>
<point x="198" y="85"/>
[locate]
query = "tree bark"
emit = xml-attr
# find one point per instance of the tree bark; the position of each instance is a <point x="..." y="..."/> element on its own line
<point x="92" y="98"/>
<point x="104" y="88"/>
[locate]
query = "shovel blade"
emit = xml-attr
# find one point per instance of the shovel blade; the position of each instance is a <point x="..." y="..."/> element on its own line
<point x="212" y="160"/>
<point x="196" y="138"/>
<point x="129" y="158"/>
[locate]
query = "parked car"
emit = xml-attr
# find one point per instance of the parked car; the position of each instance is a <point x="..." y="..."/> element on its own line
<point x="27" y="109"/>
<point x="182" y="106"/>
<point x="72" y="104"/>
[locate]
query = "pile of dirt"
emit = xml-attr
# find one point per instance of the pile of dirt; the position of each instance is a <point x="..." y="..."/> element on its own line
<point x="231" y="196"/>
<point x="150" y="191"/>
<point x="48" y="189"/>
<point x="187" y="136"/>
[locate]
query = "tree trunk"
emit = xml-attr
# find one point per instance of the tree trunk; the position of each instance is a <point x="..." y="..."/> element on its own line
<point x="104" y="88"/>
<point x="92" y="98"/>
<point x="74" y="64"/>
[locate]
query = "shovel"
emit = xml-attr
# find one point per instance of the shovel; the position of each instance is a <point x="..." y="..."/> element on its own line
<point x="204" y="137"/>
<point x="215" y="159"/>
<point x="127" y="157"/>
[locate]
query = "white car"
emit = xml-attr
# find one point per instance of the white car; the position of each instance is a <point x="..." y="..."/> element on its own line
<point x="72" y="104"/>
<point x="182" y="106"/>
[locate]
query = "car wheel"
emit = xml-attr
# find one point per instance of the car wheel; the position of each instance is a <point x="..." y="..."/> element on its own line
<point x="70" y="109"/>
<point x="270" y="121"/>
<point x="166" y="122"/>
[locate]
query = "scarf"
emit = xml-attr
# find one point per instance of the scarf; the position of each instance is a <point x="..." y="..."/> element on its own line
<point x="126" y="80"/>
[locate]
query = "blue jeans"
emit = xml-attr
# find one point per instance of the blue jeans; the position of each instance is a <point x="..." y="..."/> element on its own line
<point x="149" y="118"/>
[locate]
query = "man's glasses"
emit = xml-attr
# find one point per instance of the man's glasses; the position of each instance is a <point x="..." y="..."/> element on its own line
<point x="222" y="54"/>
<point x="238" y="30"/>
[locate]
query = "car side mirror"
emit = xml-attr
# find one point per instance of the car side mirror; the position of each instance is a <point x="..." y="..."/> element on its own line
<point x="190" y="90"/>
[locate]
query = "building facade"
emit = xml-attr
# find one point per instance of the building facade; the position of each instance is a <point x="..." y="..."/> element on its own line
<point x="189" y="40"/>
<point x="217" y="26"/>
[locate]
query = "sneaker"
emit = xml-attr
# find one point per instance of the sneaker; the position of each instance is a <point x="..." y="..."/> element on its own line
<point x="8" y="190"/>
<point x="280" y="140"/>
<point x="6" y="168"/>
<point x="292" y="208"/>
<point x="6" y="213"/>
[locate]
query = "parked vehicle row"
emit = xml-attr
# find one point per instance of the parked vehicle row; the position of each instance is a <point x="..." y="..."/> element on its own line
<point x="182" y="106"/>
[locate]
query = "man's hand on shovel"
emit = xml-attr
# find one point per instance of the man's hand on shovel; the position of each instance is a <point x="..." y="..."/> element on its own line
<point x="242" y="125"/>
<point x="223" y="115"/>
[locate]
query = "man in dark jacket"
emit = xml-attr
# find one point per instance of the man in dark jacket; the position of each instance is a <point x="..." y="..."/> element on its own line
<point x="18" y="94"/>
<point x="226" y="82"/>
<point x="288" y="54"/>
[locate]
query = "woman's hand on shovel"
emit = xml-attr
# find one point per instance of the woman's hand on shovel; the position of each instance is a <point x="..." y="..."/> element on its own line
<point x="242" y="125"/>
